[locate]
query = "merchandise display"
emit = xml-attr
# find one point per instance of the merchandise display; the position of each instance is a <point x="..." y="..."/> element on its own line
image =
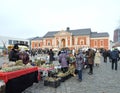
<point x="13" y="66"/>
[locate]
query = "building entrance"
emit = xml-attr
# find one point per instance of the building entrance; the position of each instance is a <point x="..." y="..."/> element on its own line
<point x="63" y="43"/>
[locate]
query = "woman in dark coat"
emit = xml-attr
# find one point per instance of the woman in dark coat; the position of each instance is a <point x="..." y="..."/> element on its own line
<point x="63" y="61"/>
<point x="105" y="54"/>
<point x="51" y="56"/>
<point x="90" y="61"/>
<point x="14" y="53"/>
<point x="23" y="55"/>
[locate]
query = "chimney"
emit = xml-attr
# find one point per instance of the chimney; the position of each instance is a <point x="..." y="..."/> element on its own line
<point x="67" y="29"/>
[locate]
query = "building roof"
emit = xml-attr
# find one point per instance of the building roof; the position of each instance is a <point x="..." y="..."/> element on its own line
<point x="50" y="34"/>
<point x="76" y="32"/>
<point x="96" y="35"/>
<point x="36" y="38"/>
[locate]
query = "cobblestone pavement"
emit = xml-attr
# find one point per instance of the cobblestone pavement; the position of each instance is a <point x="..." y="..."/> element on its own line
<point x="104" y="80"/>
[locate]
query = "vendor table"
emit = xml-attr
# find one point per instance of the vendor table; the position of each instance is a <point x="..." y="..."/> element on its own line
<point x="18" y="81"/>
<point x="45" y="70"/>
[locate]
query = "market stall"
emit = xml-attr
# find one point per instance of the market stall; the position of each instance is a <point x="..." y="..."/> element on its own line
<point x="43" y="64"/>
<point x="44" y="69"/>
<point x="17" y="81"/>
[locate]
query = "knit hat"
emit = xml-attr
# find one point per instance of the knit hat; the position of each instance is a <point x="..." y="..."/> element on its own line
<point x="16" y="46"/>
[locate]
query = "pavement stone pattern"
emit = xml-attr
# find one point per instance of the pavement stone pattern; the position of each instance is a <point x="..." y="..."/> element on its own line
<point x="103" y="80"/>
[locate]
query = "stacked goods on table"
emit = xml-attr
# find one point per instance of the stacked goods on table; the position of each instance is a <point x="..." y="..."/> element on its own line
<point x="47" y="66"/>
<point x="43" y="64"/>
<point x="71" y="58"/>
<point x="13" y="66"/>
<point x="2" y="86"/>
<point x="40" y="60"/>
<point x="55" y="76"/>
<point x="43" y="57"/>
<point x="55" y="79"/>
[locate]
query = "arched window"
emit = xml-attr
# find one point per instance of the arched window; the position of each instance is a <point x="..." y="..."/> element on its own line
<point x="81" y="42"/>
<point x="48" y="43"/>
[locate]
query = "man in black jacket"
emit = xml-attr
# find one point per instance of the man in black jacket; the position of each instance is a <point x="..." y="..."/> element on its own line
<point x="114" y="56"/>
<point x="14" y="53"/>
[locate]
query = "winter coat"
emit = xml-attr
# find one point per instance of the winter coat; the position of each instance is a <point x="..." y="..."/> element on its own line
<point x="63" y="60"/>
<point x="13" y="55"/>
<point x="90" y="57"/>
<point x="79" y="61"/>
<point x="105" y="53"/>
<point x="51" y="55"/>
<point x="24" y="57"/>
<point x="114" y="54"/>
<point x="97" y="58"/>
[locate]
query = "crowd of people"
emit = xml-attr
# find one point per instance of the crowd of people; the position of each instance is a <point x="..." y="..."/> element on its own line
<point x="82" y="58"/>
<point x="89" y="58"/>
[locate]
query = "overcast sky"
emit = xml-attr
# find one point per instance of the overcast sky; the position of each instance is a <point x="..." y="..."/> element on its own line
<point x="30" y="18"/>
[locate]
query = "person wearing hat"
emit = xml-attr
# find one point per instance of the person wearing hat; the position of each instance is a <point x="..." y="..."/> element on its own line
<point x="63" y="61"/>
<point x="23" y="55"/>
<point x="79" y="64"/>
<point x="114" y="54"/>
<point x="14" y="53"/>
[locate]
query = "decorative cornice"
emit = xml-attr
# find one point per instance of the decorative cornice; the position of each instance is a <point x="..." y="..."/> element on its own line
<point x="63" y="33"/>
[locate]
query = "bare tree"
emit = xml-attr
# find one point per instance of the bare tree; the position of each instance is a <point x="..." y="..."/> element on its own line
<point x="4" y="47"/>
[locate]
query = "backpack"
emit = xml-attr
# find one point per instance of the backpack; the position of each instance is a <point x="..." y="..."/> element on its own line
<point x="114" y="54"/>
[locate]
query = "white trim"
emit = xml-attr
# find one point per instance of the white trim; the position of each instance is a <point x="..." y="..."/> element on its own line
<point x="100" y="38"/>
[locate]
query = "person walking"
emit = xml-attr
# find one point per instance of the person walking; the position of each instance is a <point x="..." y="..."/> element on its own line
<point x="110" y="60"/>
<point x="114" y="56"/>
<point x="79" y="64"/>
<point x="97" y="58"/>
<point x="90" y="61"/>
<point x="105" y="54"/>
